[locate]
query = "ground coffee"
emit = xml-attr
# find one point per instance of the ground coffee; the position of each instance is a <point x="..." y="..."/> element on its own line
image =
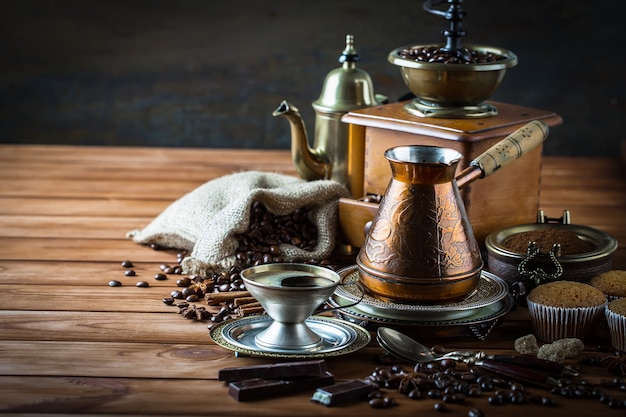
<point x="545" y="238"/>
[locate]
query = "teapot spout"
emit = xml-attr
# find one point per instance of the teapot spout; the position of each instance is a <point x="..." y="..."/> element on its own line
<point x="310" y="164"/>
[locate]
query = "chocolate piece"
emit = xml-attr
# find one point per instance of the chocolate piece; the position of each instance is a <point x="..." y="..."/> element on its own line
<point x="342" y="393"/>
<point x="262" y="388"/>
<point x="286" y="370"/>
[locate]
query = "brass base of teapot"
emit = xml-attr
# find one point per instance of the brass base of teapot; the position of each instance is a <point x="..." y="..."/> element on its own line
<point x="426" y="290"/>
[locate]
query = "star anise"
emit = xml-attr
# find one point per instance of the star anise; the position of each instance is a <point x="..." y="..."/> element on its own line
<point x="615" y="364"/>
<point x="193" y="312"/>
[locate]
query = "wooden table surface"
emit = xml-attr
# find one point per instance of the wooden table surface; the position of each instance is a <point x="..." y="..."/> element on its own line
<point x="70" y="344"/>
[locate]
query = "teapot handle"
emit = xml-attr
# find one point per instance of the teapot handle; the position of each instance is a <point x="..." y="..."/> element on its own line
<point x="502" y="153"/>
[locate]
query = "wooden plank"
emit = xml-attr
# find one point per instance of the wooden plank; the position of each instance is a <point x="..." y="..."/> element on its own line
<point x="103" y="188"/>
<point x="109" y="207"/>
<point x="79" y="298"/>
<point x="136" y="156"/>
<point x="568" y="198"/>
<point x="97" y="250"/>
<point x="198" y="171"/>
<point x="90" y="326"/>
<point x="79" y="396"/>
<point x="113" y="359"/>
<point x="77" y="227"/>
<point x="194" y="359"/>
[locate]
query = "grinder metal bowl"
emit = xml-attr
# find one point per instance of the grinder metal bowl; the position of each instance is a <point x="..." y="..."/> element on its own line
<point x="447" y="85"/>
<point x="451" y="80"/>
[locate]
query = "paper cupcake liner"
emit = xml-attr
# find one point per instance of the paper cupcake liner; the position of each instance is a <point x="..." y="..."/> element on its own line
<point x="554" y="323"/>
<point x="609" y="298"/>
<point x="617" y="328"/>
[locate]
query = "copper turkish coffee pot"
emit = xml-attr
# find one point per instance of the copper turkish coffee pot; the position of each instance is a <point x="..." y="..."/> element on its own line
<point x="420" y="247"/>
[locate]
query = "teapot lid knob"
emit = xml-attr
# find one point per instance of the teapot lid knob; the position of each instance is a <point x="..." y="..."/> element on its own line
<point x="349" y="54"/>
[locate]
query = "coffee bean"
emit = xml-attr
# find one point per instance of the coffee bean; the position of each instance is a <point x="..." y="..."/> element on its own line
<point x="183" y="282"/>
<point x="160" y="277"/>
<point x="434" y="393"/>
<point x="447" y="364"/>
<point x="495" y="400"/>
<point x="115" y="283"/>
<point x="142" y="284"/>
<point x="415" y="394"/>
<point x="448" y="399"/>
<point x="168" y="300"/>
<point x="192" y="298"/>
<point x="377" y="402"/>
<point x="130" y="273"/>
<point x="439" y="406"/>
<point x="127" y="264"/>
<point x="475" y="412"/>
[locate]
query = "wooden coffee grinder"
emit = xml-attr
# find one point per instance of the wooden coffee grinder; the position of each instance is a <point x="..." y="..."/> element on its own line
<point x="451" y="109"/>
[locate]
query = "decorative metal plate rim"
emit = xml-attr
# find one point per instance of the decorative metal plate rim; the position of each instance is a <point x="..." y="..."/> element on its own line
<point x="491" y="290"/>
<point x="482" y="316"/>
<point x="361" y="337"/>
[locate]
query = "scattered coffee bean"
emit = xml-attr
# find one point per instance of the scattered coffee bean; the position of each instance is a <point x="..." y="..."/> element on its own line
<point x="130" y="273"/>
<point x="183" y="282"/>
<point x="439" y="406"/>
<point x="168" y="300"/>
<point x="160" y="277"/>
<point x="115" y="283"/>
<point x="475" y="412"/>
<point x="192" y="298"/>
<point x="127" y="264"/>
<point x="142" y="284"/>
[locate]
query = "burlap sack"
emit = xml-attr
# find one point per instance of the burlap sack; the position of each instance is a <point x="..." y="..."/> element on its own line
<point x="205" y="220"/>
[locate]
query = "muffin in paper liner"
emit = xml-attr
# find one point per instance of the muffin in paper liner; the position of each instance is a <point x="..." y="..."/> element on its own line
<point x="551" y="323"/>
<point x="615" y="313"/>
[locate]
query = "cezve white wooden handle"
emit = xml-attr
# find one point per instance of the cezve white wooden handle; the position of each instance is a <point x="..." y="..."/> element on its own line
<point x="512" y="147"/>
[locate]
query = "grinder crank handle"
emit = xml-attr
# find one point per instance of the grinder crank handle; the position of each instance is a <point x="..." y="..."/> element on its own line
<point x="505" y="151"/>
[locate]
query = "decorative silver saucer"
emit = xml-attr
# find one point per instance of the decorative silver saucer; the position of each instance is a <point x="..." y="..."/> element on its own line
<point x="339" y="337"/>
<point x="491" y="289"/>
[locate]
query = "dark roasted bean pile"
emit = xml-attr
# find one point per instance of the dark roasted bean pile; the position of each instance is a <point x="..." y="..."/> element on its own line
<point x="603" y="393"/>
<point x="449" y="385"/>
<point x="260" y="243"/>
<point x="438" y="55"/>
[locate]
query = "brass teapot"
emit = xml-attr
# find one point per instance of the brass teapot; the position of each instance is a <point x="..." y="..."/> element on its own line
<point x="332" y="156"/>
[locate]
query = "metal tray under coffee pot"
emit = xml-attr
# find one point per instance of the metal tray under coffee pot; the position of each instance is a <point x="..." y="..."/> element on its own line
<point x="490" y="290"/>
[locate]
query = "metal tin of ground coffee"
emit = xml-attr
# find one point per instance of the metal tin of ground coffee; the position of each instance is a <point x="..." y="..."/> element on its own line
<point x="504" y="262"/>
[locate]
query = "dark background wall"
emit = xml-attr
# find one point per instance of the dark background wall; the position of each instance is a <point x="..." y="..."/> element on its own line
<point x="200" y="73"/>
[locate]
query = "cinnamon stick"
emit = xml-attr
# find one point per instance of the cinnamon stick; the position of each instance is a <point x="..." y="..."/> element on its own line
<point x="246" y="311"/>
<point x="224" y="296"/>
<point x="243" y="300"/>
